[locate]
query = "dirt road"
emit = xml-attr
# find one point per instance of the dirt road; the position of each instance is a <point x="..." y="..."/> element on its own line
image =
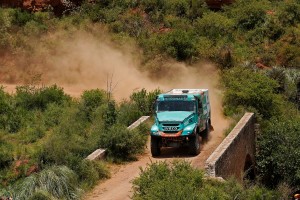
<point x="118" y="187"/>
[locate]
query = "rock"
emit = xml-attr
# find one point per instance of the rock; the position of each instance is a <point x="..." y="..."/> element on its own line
<point x="58" y="6"/>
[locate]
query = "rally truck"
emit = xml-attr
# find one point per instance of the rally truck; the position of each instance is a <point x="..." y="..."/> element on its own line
<point x="181" y="117"/>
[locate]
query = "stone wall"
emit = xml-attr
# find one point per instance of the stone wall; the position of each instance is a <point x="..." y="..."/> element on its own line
<point x="99" y="154"/>
<point x="235" y="156"/>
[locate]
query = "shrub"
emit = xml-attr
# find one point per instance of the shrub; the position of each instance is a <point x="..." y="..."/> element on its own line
<point x="251" y="90"/>
<point x="178" y="8"/>
<point x="31" y="97"/>
<point x="198" y="8"/>
<point x="214" y="26"/>
<point x="33" y="28"/>
<point x="121" y="143"/>
<point x="21" y="17"/>
<point x="289" y="55"/>
<point x="289" y="13"/>
<point x="5" y="108"/>
<point x="72" y="139"/>
<point x="133" y="23"/>
<point x="35" y="128"/>
<point x="58" y="181"/>
<point x="249" y="14"/>
<point x="53" y="114"/>
<point x="109" y="114"/>
<point x="128" y="112"/>
<point x="90" y="172"/>
<point x="91" y="100"/>
<point x="10" y="117"/>
<point x="144" y="100"/>
<point x="153" y="5"/>
<point x="6" y="19"/>
<point x="278" y="152"/>
<point x="6" y="152"/>
<point x="179" y="44"/>
<point x="180" y="180"/>
<point x="161" y="181"/>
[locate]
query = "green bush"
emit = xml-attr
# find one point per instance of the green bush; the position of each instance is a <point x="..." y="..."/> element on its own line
<point x="91" y="100"/>
<point x="21" y="17"/>
<point x="128" y="112"/>
<point x="153" y="5"/>
<point x="122" y="144"/>
<point x="6" y="152"/>
<point x="67" y="142"/>
<point x="90" y="172"/>
<point x="289" y="55"/>
<point x="31" y="97"/>
<point x="278" y="152"/>
<point x="198" y="8"/>
<point x="10" y="117"/>
<point x="178" y="8"/>
<point x="133" y="24"/>
<point x="180" y="180"/>
<point x="214" y="26"/>
<point x="53" y="114"/>
<point x="249" y="14"/>
<point x="109" y="114"/>
<point x="251" y="90"/>
<point x="161" y="181"/>
<point x="35" y="128"/>
<point x="289" y="13"/>
<point x="5" y="108"/>
<point x="179" y="44"/>
<point x="144" y="100"/>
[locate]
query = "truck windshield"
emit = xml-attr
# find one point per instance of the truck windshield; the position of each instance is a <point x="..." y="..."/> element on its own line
<point x="176" y="106"/>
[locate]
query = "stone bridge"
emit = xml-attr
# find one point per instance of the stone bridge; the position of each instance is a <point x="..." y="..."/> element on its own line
<point x="235" y="156"/>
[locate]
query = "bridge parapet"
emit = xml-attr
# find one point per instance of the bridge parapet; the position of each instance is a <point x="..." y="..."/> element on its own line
<point x="235" y="156"/>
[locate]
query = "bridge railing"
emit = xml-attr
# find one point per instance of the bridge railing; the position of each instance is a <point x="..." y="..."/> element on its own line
<point x="99" y="154"/>
<point x="236" y="154"/>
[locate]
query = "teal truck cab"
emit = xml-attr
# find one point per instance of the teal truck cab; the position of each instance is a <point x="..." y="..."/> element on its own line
<point x="181" y="116"/>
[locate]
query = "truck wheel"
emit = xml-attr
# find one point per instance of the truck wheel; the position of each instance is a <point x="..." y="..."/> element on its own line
<point x="194" y="145"/>
<point x="155" y="148"/>
<point x="205" y="133"/>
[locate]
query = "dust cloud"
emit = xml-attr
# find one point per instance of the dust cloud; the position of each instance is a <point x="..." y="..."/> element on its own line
<point x="84" y="61"/>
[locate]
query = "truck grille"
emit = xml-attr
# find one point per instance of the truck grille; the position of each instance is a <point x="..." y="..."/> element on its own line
<point x="170" y="124"/>
<point x="170" y="128"/>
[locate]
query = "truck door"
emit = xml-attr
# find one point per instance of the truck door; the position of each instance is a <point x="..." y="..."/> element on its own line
<point x="201" y="121"/>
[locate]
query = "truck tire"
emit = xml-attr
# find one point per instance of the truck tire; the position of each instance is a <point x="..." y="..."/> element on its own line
<point x="205" y="133"/>
<point x="155" y="148"/>
<point x="194" y="145"/>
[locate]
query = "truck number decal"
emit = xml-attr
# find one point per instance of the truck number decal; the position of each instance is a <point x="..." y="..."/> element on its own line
<point x="172" y="128"/>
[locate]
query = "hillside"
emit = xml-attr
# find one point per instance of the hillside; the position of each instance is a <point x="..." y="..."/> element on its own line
<point x="53" y="59"/>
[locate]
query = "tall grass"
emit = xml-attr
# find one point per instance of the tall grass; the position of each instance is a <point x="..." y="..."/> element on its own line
<point x="59" y="182"/>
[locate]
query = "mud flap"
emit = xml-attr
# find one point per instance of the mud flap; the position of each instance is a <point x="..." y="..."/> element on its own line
<point x="211" y="128"/>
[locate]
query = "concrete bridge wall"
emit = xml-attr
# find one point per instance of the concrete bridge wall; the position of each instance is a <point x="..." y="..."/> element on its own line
<point x="236" y="154"/>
